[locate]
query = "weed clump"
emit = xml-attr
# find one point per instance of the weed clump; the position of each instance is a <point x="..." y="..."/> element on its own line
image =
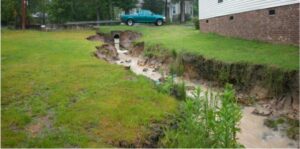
<point x="177" y="66"/>
<point x="170" y="87"/>
<point x="206" y="121"/>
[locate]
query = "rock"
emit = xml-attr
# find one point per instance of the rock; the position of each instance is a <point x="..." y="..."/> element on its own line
<point x="128" y="61"/>
<point x="116" y="58"/>
<point x="162" y="79"/>
<point x="262" y="111"/>
<point x="259" y="93"/>
<point x="156" y="69"/>
<point x="142" y="62"/>
<point x="145" y="69"/>
<point x="123" y="144"/>
<point x="127" y="67"/>
<point x="190" y="87"/>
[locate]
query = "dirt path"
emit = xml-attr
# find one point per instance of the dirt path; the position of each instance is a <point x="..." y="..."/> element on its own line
<point x="253" y="134"/>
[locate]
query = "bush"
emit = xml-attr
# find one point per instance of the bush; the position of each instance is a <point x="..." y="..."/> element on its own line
<point x="206" y="122"/>
<point x="171" y="88"/>
<point x="177" y="67"/>
<point x="196" y="23"/>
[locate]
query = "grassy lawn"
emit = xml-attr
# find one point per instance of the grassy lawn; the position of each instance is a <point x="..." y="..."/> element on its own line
<point x="55" y="94"/>
<point x="182" y="38"/>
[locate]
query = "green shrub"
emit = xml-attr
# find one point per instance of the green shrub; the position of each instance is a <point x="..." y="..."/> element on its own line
<point x="171" y="88"/>
<point x="196" y="23"/>
<point x="206" y="121"/>
<point x="166" y="86"/>
<point x="177" y="67"/>
<point x="179" y="91"/>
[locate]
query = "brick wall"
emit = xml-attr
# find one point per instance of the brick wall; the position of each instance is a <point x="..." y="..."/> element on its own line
<point x="281" y="27"/>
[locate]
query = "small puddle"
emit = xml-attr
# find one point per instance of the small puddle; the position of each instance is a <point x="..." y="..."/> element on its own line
<point x="253" y="134"/>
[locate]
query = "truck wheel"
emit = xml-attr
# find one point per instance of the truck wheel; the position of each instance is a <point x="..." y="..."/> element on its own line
<point x="159" y="22"/>
<point x="130" y="22"/>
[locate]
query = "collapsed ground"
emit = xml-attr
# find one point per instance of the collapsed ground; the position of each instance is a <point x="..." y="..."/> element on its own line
<point x="56" y="94"/>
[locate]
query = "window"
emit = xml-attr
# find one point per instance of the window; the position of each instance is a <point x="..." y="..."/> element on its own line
<point x="174" y="10"/>
<point x="272" y="12"/>
<point x="231" y="18"/>
<point x="206" y="21"/>
<point x="220" y="1"/>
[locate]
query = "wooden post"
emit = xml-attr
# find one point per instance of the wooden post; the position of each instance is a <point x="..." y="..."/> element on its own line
<point x="23" y="14"/>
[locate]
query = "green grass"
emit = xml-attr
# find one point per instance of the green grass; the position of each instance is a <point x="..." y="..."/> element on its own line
<point x="56" y="94"/>
<point x="212" y="46"/>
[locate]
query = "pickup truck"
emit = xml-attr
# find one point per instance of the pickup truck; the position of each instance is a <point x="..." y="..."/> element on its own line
<point x="143" y="16"/>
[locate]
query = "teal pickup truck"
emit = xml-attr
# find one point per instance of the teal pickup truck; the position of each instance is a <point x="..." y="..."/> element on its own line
<point x="143" y="16"/>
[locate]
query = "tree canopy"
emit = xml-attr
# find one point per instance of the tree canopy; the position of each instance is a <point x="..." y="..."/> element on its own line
<point x="156" y="6"/>
<point x="60" y="11"/>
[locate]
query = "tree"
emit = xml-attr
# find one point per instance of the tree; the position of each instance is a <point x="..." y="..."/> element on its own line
<point x="82" y="10"/>
<point x="126" y="5"/>
<point x="182" y="9"/>
<point x="156" y="6"/>
<point x="11" y="12"/>
<point x="195" y="7"/>
<point x="167" y="10"/>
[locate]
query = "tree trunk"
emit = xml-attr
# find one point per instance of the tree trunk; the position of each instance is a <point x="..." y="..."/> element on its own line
<point x="166" y="10"/>
<point x="182" y="11"/>
<point x="98" y="15"/>
<point x="193" y="9"/>
<point x="109" y="10"/>
<point x="43" y="12"/>
<point x="23" y="14"/>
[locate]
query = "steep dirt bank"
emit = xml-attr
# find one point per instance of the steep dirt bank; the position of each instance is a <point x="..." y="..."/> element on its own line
<point x="278" y="87"/>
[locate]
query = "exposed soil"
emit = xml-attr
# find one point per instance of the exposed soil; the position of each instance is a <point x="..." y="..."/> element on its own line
<point x="126" y="38"/>
<point x="107" y="52"/>
<point x="38" y="125"/>
<point x="274" y="90"/>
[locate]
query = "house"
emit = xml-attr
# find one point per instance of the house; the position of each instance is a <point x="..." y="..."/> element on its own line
<point x="174" y="10"/>
<point x="274" y="21"/>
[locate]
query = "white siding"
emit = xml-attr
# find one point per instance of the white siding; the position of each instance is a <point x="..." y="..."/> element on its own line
<point x="211" y="8"/>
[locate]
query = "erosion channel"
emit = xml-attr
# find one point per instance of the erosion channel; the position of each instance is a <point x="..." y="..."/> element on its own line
<point x="266" y="94"/>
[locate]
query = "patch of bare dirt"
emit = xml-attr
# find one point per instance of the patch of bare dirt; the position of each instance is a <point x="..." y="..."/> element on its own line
<point x="127" y="37"/>
<point x="37" y="126"/>
<point x="101" y="37"/>
<point x="137" y="49"/>
<point x="107" y="52"/>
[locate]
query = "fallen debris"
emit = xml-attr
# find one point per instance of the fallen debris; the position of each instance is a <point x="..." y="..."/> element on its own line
<point x="262" y="112"/>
